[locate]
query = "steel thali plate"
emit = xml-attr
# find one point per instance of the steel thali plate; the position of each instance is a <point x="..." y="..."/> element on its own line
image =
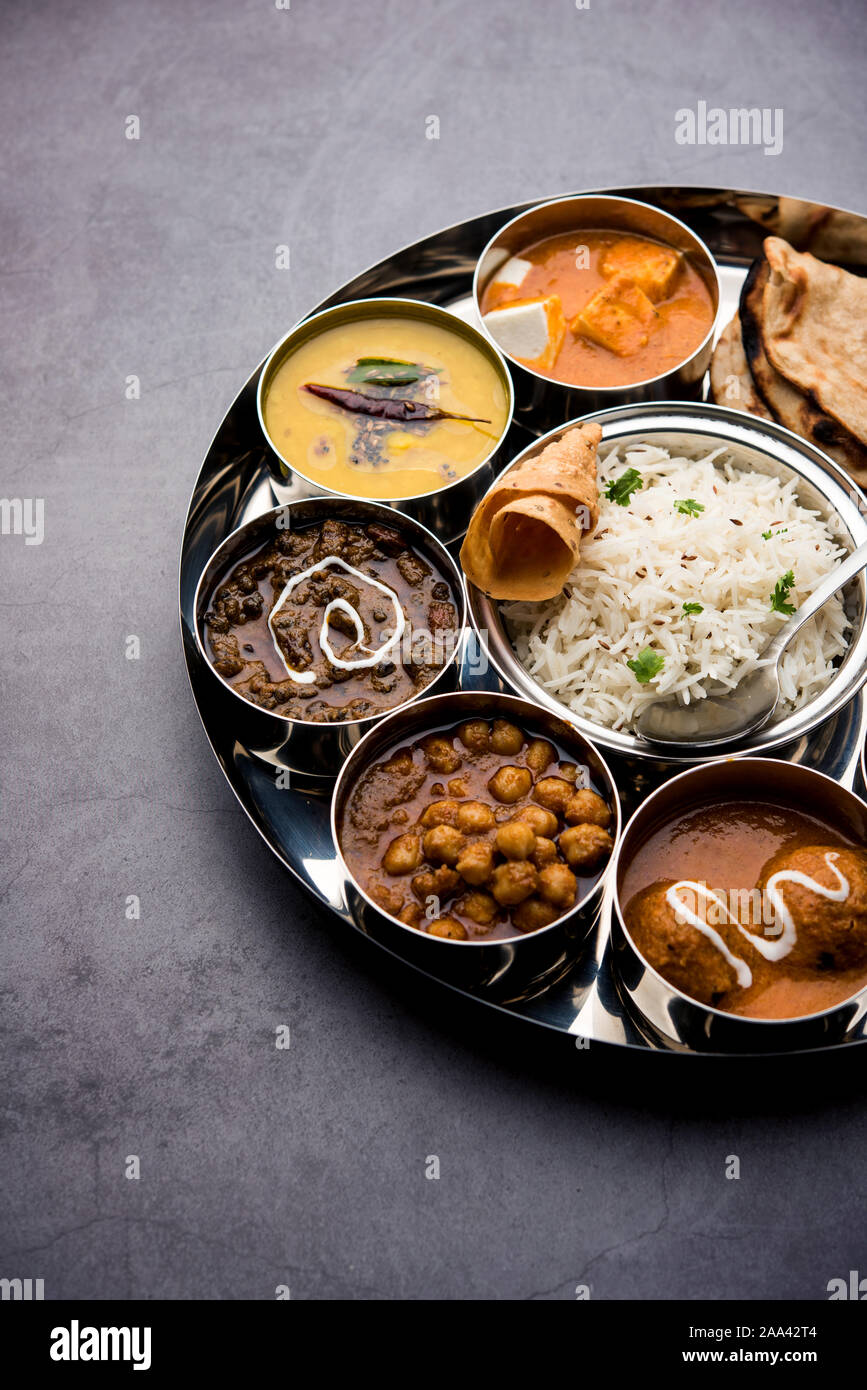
<point x="235" y="485"/>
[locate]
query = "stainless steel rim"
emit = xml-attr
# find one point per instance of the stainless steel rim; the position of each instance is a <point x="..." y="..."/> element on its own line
<point x="523" y="710"/>
<point x="613" y="391"/>
<point x="314" y="504"/>
<point x="420" y="308"/>
<point x="232" y="479"/>
<point x="687" y="999"/>
<point x="726" y="426"/>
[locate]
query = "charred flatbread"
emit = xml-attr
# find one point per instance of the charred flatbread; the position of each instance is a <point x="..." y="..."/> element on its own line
<point x="790" y="406"/>
<point x="814" y="330"/>
<point x="829" y="233"/>
<point x="731" y="383"/>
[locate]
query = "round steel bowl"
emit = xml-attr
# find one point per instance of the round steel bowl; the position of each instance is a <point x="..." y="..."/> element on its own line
<point x="758" y="444"/>
<point x="309" y="746"/>
<point x="521" y="966"/>
<point x="541" y="402"/>
<point x="445" y="510"/>
<point x="679" y="1019"/>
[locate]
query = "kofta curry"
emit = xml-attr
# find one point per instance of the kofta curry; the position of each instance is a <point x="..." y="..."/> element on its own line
<point x="755" y="908"/>
<point x="482" y="830"/>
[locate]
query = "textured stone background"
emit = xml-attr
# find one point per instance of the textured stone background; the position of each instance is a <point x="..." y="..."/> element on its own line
<point x="156" y="1038"/>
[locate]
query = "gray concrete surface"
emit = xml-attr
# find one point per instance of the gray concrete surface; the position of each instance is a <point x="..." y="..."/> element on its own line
<point x="155" y="1037"/>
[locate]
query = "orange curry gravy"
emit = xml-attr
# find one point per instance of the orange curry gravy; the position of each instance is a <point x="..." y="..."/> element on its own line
<point x="727" y="845"/>
<point x="685" y="316"/>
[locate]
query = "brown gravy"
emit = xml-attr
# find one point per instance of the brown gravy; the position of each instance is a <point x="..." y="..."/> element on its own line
<point x="727" y="845"/>
<point x="451" y="783"/>
<point x="243" y="649"/>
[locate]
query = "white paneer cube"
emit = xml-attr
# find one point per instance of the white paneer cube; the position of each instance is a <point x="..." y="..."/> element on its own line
<point x="530" y="329"/>
<point x="513" y="273"/>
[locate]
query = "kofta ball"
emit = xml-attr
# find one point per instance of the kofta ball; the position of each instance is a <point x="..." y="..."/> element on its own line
<point x="679" y="951"/>
<point x="828" y="933"/>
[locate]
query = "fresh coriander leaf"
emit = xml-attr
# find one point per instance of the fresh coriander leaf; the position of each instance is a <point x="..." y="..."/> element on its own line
<point x="620" y="490"/>
<point x="779" y="597"/>
<point x="689" y="507"/>
<point x="766" y="535"/>
<point x="691" y="608"/>
<point x="646" y="665"/>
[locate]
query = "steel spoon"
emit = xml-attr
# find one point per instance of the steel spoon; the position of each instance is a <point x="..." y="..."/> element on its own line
<point x="725" y="718"/>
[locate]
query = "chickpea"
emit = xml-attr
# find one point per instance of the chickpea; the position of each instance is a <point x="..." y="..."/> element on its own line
<point x="540" y="755"/>
<point x="479" y="907"/>
<point x="541" y="822"/>
<point x="545" y="852"/>
<point x="436" y="883"/>
<point x="403" y="855"/>
<point x="475" y="735"/>
<point x="440" y="754"/>
<point x="443" y="843"/>
<point x="458" y="787"/>
<point x="569" y="772"/>
<point x="558" y="885"/>
<point x="587" y="808"/>
<point x="585" y="846"/>
<point x="411" y="915"/>
<point x="515" y="839"/>
<point x="400" y="816"/>
<point x="476" y="864"/>
<point x="440" y="813"/>
<point x="474" y="817"/>
<point x="509" y="784"/>
<point x="506" y="738"/>
<point x="447" y="926"/>
<point x="513" y="882"/>
<point x="533" y="913"/>
<point x="553" y="793"/>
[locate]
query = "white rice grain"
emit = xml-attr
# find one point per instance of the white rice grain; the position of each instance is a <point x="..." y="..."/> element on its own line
<point x="646" y="560"/>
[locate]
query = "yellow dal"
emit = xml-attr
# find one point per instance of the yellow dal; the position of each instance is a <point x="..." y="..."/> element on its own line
<point x="318" y="438"/>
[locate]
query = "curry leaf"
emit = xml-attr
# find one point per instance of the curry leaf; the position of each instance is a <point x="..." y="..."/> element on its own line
<point x="388" y="371"/>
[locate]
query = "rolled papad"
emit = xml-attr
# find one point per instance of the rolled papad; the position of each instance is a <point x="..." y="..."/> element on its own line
<point x="524" y="537"/>
<point x="814" y="327"/>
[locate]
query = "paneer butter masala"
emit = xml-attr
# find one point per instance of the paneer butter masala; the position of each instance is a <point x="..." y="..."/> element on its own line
<point x="332" y="622"/>
<point x="478" y="831"/>
<point x="598" y="308"/>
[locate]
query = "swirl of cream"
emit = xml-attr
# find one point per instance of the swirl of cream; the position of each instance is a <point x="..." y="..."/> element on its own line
<point x="771" y="950"/>
<point x="775" y="950"/>
<point x="742" y="971"/>
<point x="344" y="606"/>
